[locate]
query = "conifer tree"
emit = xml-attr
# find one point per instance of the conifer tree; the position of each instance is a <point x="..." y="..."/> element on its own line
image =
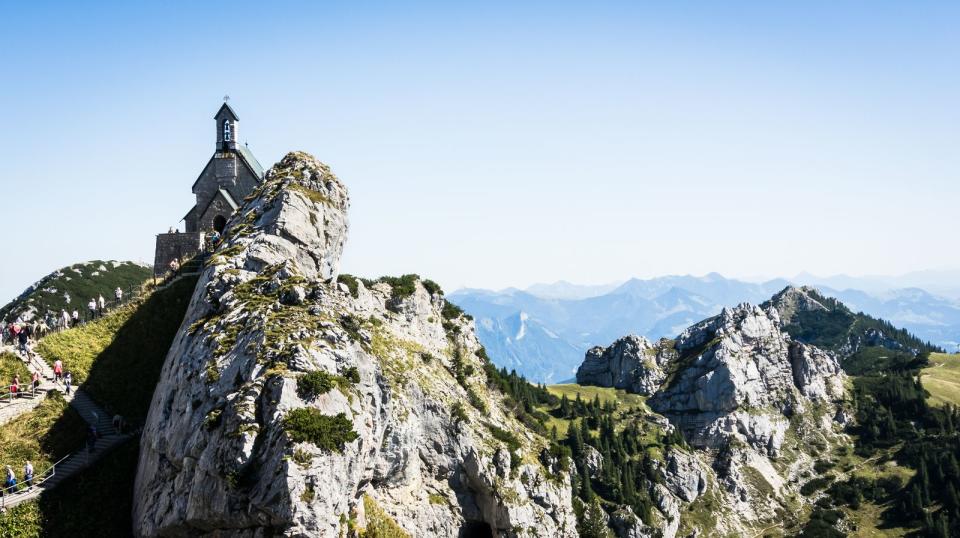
<point x="594" y="523"/>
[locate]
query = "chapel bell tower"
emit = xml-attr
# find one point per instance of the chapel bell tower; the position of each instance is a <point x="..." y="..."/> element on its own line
<point x="227" y="121"/>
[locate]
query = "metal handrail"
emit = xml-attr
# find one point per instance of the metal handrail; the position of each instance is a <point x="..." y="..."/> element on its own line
<point x="9" y="395"/>
<point x="13" y="491"/>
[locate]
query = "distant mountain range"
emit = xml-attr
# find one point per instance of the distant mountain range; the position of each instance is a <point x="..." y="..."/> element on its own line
<point x="544" y="331"/>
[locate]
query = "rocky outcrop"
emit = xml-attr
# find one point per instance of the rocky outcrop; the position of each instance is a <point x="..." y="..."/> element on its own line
<point x="740" y="376"/>
<point x="684" y="476"/>
<point x="631" y="363"/>
<point x="291" y="405"/>
<point x="741" y="391"/>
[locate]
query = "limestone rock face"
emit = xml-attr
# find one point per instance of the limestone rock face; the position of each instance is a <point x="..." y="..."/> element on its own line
<point x="221" y="453"/>
<point x="684" y="477"/>
<point x="742" y="392"/>
<point x="739" y="375"/>
<point x="631" y="363"/>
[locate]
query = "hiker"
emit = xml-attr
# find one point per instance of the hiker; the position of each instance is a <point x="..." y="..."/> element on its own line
<point x="67" y="381"/>
<point x="22" y="339"/>
<point x="10" y="484"/>
<point x="174" y="266"/>
<point x="92" y="306"/>
<point x="91" y="441"/>
<point x="35" y="380"/>
<point x="101" y="304"/>
<point x="118" y="423"/>
<point x="28" y="475"/>
<point x="65" y="319"/>
<point x="15" y="388"/>
<point x="118" y="294"/>
<point x="215" y="238"/>
<point x="76" y="317"/>
<point x="57" y="370"/>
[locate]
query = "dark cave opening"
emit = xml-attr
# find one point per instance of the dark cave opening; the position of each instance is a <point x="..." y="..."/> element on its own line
<point x="476" y="529"/>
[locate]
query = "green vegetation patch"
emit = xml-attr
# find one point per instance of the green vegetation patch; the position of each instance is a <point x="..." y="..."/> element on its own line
<point x="118" y="358"/>
<point x="312" y="195"/>
<point x="379" y="523"/>
<point x="82" y="282"/>
<point x="11" y="366"/>
<point x="942" y="379"/>
<point x="307" y="424"/>
<point x="313" y="384"/>
<point x="352" y="284"/>
<point x="42" y="435"/>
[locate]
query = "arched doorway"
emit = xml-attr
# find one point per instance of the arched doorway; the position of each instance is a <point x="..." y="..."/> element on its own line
<point x="219" y="223"/>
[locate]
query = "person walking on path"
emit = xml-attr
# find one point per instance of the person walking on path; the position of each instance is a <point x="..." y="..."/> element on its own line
<point x="28" y="475"/>
<point x="76" y="318"/>
<point x="57" y="370"/>
<point x="118" y="294"/>
<point x="10" y="484"/>
<point x="101" y="304"/>
<point x="65" y="319"/>
<point x="67" y="381"/>
<point x="91" y="441"/>
<point x="35" y="380"/>
<point x="22" y="338"/>
<point x="92" y="306"/>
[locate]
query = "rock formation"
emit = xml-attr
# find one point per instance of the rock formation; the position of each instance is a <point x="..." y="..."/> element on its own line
<point x="291" y="404"/>
<point x="746" y="397"/>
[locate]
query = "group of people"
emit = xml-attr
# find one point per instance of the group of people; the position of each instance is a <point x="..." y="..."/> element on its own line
<point x="19" y="332"/>
<point x="17" y="388"/>
<point x="18" y="335"/>
<point x="59" y="376"/>
<point x="10" y="484"/>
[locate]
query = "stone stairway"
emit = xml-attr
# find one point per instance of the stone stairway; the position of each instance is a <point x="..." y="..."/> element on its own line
<point x="95" y="416"/>
<point x="11" y="408"/>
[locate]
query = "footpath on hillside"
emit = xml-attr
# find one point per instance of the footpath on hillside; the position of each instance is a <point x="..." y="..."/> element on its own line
<point x="107" y="436"/>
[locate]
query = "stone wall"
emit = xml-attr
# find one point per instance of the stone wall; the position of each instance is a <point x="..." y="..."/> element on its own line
<point x="181" y="246"/>
<point x="218" y="206"/>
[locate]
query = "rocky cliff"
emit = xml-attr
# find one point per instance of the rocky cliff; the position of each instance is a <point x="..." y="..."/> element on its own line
<point x="292" y="405"/>
<point x="749" y="399"/>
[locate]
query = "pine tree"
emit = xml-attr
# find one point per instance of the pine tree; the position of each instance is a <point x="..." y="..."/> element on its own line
<point x="594" y="523"/>
<point x="951" y="501"/>
<point x="586" y="487"/>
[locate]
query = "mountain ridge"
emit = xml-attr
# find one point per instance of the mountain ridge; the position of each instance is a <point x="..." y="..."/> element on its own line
<point x="655" y="308"/>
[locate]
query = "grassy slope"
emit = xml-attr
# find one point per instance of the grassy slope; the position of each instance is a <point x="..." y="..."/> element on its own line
<point x="942" y="378"/>
<point x="119" y="356"/>
<point x="587" y="394"/>
<point x="122" y="374"/>
<point x="82" y="281"/>
<point x="10" y="366"/>
<point x="43" y="435"/>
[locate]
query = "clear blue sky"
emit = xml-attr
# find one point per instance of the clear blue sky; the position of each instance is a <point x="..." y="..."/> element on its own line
<point x="490" y="144"/>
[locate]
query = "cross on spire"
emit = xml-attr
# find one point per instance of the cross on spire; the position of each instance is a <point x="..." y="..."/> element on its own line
<point x="226" y="98"/>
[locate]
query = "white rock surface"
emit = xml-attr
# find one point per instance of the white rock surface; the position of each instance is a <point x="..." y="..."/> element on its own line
<point x="215" y="458"/>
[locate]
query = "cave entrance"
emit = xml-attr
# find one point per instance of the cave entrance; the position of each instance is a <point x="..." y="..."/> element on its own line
<point x="476" y="529"/>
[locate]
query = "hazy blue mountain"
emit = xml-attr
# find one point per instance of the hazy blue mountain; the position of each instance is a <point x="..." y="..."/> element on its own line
<point x="562" y="289"/>
<point x="557" y="324"/>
